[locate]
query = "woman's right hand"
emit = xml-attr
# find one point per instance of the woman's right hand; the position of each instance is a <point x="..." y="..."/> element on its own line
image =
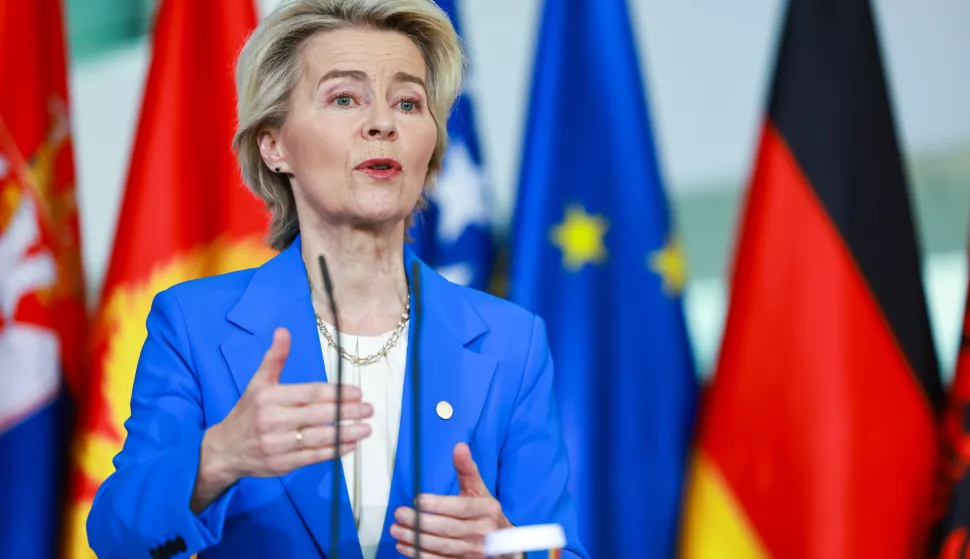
<point x="276" y="428"/>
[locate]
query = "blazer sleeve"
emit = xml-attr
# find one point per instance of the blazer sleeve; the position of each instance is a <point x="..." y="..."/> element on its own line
<point x="142" y="509"/>
<point x="535" y="468"/>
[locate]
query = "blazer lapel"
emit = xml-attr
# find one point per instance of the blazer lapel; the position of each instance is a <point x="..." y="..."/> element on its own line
<point x="279" y="297"/>
<point x="450" y="375"/>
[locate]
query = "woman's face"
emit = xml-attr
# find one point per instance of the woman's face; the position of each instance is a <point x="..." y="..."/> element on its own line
<point x="359" y="136"/>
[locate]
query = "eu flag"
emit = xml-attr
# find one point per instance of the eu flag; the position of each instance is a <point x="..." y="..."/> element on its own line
<point x="453" y="234"/>
<point x="594" y="254"/>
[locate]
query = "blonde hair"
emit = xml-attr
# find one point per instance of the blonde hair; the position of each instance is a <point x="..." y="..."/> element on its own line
<point x="268" y="70"/>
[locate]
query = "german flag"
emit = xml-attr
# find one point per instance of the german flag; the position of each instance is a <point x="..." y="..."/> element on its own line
<point x="185" y="214"/>
<point x="951" y="538"/>
<point x="820" y="433"/>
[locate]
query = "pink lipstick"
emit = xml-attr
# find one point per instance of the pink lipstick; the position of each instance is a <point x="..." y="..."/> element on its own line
<point x="382" y="169"/>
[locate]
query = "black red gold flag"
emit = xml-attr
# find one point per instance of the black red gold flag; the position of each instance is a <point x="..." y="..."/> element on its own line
<point x="820" y="433"/>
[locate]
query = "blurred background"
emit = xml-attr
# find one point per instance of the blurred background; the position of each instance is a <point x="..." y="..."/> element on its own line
<point x="707" y="67"/>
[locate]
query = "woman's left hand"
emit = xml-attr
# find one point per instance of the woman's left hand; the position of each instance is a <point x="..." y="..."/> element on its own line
<point x="456" y="526"/>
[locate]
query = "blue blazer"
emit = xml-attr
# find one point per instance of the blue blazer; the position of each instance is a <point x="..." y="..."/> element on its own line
<point x="206" y="338"/>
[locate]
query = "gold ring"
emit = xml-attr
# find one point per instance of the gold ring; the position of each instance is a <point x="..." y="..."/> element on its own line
<point x="299" y="437"/>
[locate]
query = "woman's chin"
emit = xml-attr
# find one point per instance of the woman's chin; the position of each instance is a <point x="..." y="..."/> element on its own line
<point x="381" y="217"/>
<point x="381" y="208"/>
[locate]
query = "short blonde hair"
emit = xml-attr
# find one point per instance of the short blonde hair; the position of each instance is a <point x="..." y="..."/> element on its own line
<point x="268" y="70"/>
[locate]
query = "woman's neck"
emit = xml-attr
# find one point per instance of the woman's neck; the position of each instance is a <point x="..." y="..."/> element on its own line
<point x="367" y="270"/>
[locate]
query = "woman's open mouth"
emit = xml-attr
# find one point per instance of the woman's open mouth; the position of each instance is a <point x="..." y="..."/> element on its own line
<point x="380" y="168"/>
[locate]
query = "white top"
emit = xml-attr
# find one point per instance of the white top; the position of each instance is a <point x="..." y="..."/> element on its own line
<point x="370" y="468"/>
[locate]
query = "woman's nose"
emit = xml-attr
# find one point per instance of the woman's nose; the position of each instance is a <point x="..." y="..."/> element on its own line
<point x="380" y="126"/>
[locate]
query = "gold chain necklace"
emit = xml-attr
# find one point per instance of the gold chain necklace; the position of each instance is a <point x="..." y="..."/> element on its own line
<point x="370" y="359"/>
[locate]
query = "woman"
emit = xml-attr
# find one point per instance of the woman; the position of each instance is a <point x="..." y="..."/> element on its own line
<point x="230" y="446"/>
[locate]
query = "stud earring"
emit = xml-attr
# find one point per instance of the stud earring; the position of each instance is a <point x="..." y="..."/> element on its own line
<point x="277" y="169"/>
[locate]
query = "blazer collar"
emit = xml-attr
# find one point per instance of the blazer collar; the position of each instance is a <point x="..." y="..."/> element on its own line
<point x="278" y="295"/>
<point x="282" y="282"/>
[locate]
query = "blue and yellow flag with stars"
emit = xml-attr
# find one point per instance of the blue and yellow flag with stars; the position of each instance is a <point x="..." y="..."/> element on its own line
<point x="595" y="255"/>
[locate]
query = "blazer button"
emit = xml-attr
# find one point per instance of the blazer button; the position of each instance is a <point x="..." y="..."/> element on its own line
<point x="444" y="410"/>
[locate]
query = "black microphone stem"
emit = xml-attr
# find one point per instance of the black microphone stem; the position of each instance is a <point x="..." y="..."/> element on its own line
<point x="417" y="316"/>
<point x="335" y="494"/>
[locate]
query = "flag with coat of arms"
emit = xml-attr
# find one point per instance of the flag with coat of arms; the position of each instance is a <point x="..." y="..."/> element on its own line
<point x="43" y="317"/>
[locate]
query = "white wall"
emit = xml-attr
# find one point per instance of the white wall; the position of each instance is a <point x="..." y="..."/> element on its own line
<point x="706" y="62"/>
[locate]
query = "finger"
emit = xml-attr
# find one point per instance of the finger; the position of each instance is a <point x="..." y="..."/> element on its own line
<point x="444" y="526"/>
<point x="295" y="460"/>
<point x="408" y="551"/>
<point x="460" y="506"/>
<point x="446" y="547"/>
<point x="275" y="357"/>
<point x="313" y="415"/>
<point x="320" y="437"/>
<point x="469" y="479"/>
<point x="286" y="442"/>
<point x="313" y="392"/>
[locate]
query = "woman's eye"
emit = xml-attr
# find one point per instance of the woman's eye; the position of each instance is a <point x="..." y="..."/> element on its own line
<point x="344" y="101"/>
<point x="409" y="105"/>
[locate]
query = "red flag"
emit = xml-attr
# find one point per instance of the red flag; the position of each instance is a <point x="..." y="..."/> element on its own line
<point x="820" y="432"/>
<point x="42" y="309"/>
<point x="186" y="214"/>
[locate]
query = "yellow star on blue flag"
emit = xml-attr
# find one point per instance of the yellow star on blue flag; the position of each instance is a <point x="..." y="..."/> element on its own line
<point x="669" y="263"/>
<point x="580" y="238"/>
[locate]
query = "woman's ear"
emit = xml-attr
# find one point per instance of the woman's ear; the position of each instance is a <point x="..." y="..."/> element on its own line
<point x="271" y="151"/>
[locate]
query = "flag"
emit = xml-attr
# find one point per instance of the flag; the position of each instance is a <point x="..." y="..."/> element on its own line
<point x="596" y="256"/>
<point x="42" y="308"/>
<point x="453" y="234"/>
<point x="185" y="214"/>
<point x="950" y="538"/>
<point x="819" y="433"/>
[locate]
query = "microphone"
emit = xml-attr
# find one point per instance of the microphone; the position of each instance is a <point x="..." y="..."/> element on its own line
<point x="335" y="503"/>
<point x="417" y="316"/>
